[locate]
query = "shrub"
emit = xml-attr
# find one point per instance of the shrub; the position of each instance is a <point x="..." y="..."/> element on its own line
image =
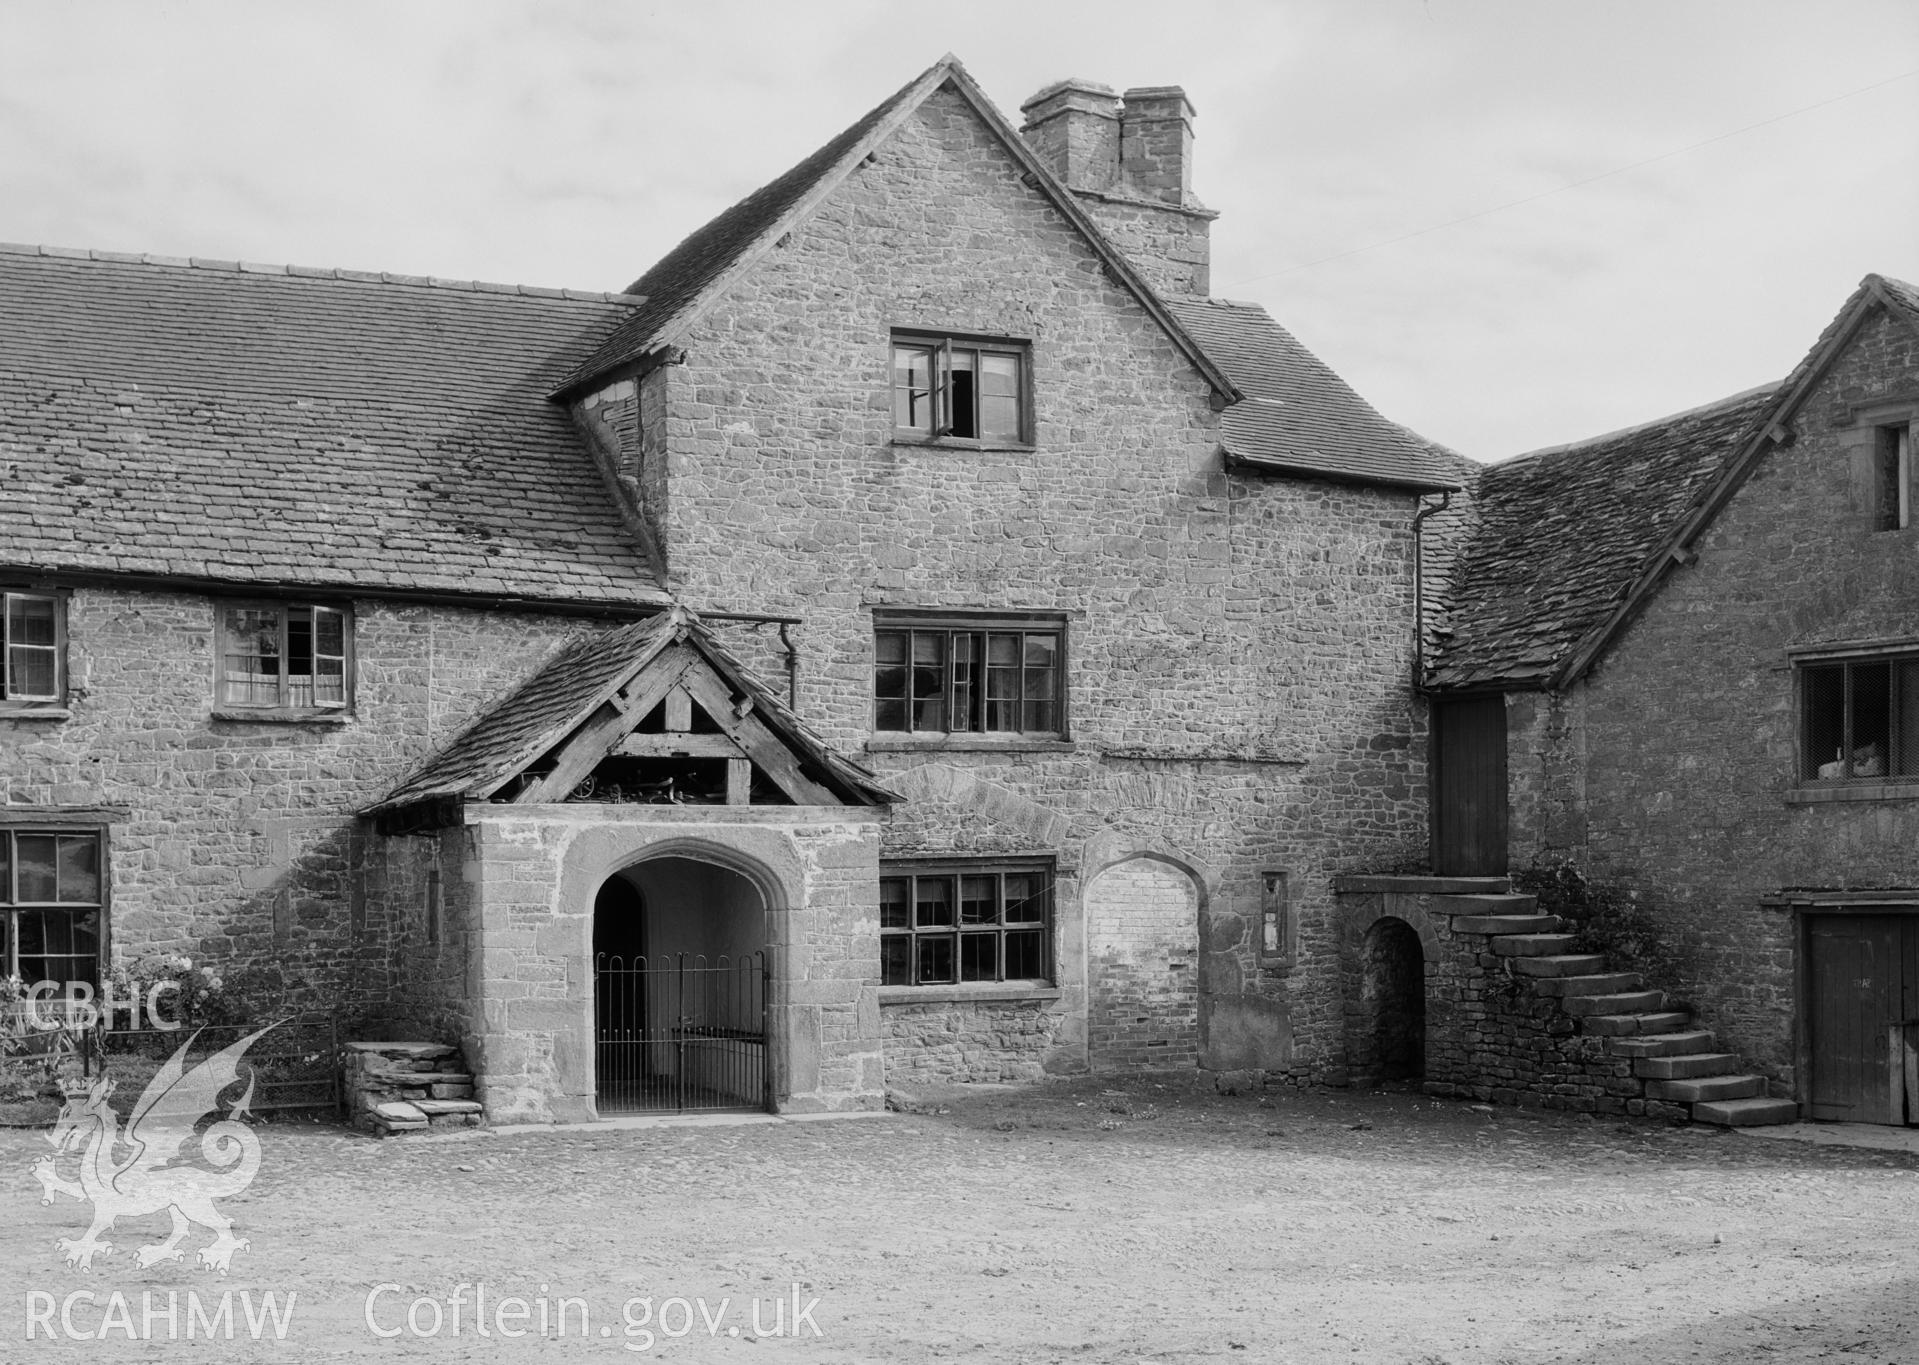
<point x="1603" y="917"/>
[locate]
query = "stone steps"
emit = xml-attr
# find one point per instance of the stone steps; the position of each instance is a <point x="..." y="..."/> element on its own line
<point x="404" y="1087"/>
<point x="1674" y="1063"/>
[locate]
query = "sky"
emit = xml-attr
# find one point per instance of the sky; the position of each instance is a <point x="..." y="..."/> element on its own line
<point x="1508" y="223"/>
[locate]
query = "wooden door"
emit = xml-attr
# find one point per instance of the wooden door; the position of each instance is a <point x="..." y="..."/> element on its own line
<point x="1469" y="786"/>
<point x="1863" y="982"/>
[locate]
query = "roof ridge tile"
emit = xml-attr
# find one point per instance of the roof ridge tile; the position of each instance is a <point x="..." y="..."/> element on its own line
<point x="313" y="272"/>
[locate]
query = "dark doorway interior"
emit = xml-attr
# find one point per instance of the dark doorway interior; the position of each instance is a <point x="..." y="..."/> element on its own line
<point x="1393" y="990"/>
<point x="679" y="990"/>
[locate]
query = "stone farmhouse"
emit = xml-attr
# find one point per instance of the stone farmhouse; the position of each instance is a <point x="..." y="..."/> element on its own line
<point x="915" y="632"/>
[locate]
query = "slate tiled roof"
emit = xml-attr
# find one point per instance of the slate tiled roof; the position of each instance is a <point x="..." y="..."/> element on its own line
<point x="575" y="683"/>
<point x="1298" y="416"/>
<point x="320" y="428"/>
<point x="681" y="276"/>
<point x="1562" y="535"/>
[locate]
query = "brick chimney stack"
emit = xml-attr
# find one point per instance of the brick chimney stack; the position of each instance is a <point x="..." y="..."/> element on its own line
<point x="1156" y="143"/>
<point x="1073" y="126"/>
<point x="1129" y="162"/>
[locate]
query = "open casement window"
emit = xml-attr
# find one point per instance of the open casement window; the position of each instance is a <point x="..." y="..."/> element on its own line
<point x="950" y="389"/>
<point x="34" y="631"/>
<point x="1859" y="719"/>
<point x="285" y="657"/>
<point x="1893" y="463"/>
<point x="947" y="923"/>
<point x="51" y="904"/>
<point x="968" y="677"/>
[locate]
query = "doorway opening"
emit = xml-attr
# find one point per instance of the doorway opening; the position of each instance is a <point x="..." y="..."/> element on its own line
<point x="1392" y="994"/>
<point x="680" y="982"/>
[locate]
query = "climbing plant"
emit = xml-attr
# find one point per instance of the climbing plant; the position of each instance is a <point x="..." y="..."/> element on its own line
<point x="1604" y="917"/>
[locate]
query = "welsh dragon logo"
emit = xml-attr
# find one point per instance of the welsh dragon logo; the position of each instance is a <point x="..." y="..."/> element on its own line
<point x="140" y="1181"/>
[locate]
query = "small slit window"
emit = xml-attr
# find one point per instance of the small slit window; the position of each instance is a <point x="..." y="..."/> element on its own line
<point x="1893" y="450"/>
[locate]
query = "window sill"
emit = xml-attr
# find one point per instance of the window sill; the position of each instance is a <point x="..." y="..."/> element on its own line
<point x="1853" y="791"/>
<point x="35" y="713"/>
<point x="1007" y="744"/>
<point x="968" y="993"/>
<point x="956" y="443"/>
<point x="275" y="715"/>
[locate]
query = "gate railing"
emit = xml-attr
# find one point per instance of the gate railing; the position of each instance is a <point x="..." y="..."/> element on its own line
<point x="677" y="1032"/>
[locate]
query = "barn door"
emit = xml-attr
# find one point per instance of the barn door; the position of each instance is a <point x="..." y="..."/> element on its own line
<point x="1863" y="980"/>
<point x="1469" y="786"/>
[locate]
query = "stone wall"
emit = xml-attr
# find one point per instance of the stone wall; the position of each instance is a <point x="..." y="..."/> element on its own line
<point x="1687" y="755"/>
<point x="1238" y="648"/>
<point x="968" y="1040"/>
<point x="235" y="841"/>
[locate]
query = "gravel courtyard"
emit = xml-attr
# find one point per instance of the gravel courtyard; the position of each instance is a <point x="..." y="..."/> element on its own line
<point x="1082" y="1222"/>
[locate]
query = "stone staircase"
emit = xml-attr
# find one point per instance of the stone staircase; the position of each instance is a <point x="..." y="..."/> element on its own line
<point x="1677" y="1063"/>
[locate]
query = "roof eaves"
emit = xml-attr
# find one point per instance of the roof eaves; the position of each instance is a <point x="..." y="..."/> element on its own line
<point x="1307" y="470"/>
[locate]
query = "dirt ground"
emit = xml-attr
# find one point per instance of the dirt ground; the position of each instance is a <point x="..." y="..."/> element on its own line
<point x="1150" y="1221"/>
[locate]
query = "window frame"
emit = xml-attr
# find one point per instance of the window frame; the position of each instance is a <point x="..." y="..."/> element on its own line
<point x="941" y="421"/>
<point x="984" y="626"/>
<point x="956" y="871"/>
<point x="1892" y="463"/>
<point x="1807" y="764"/>
<point x="283" y="706"/>
<point x="55" y="700"/>
<point x="12" y="907"/>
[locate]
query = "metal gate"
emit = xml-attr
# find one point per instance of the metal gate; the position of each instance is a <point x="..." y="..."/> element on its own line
<point x="677" y="1032"/>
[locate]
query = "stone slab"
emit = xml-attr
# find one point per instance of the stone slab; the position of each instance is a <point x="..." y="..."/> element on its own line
<point x="1605" y="983"/>
<point x="1750" y="1113"/>
<point x="1560" y="964"/>
<point x="1633" y="1002"/>
<point x="1707" y="1088"/>
<point x="399" y="1111"/>
<point x="415" y="1050"/>
<point x="1506" y="924"/>
<point x="1531" y="945"/>
<point x="1686" y="1066"/>
<point x="1662" y="1044"/>
<point x="431" y="1107"/>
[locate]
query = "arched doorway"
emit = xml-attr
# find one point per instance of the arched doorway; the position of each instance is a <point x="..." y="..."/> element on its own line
<point x="679" y="989"/>
<point x="1392" y="993"/>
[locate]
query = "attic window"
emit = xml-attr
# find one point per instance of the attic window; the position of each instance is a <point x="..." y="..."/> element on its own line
<point x="956" y="389"/>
